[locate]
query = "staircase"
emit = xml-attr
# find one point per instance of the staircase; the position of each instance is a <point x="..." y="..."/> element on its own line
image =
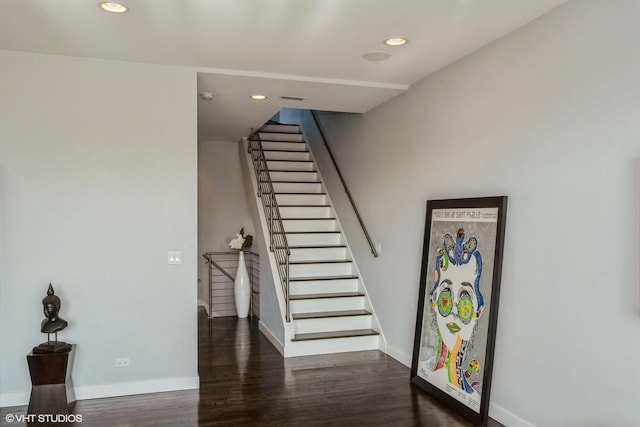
<point x="329" y="309"/>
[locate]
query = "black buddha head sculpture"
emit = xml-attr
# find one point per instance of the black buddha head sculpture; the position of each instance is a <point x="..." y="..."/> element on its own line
<point x="51" y="307"/>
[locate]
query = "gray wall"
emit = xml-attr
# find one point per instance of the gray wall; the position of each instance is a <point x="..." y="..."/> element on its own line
<point x="98" y="164"/>
<point x="548" y="115"/>
<point x="222" y="212"/>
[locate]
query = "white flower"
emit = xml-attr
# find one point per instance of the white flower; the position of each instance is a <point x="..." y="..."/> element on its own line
<point x="237" y="242"/>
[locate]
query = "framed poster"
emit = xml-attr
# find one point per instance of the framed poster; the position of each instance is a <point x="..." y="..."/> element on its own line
<point x="458" y="302"/>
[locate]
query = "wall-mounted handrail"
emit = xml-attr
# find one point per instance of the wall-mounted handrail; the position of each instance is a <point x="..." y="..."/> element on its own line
<point x="323" y="135"/>
<point x="278" y="243"/>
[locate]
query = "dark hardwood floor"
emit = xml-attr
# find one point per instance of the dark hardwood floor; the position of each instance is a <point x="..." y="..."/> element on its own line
<point x="244" y="381"/>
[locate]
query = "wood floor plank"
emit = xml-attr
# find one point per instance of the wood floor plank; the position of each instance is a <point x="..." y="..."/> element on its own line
<point x="325" y="314"/>
<point x="327" y="294"/>
<point x="334" y="334"/>
<point x="319" y="278"/>
<point x="244" y="381"/>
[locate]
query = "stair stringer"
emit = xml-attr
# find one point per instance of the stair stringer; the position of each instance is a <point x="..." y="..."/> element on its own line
<point x="283" y="347"/>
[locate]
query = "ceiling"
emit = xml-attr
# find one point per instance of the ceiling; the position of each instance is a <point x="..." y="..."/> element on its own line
<point x="301" y="48"/>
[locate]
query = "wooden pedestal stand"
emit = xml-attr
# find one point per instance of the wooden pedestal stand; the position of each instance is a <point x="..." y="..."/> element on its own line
<point x="52" y="388"/>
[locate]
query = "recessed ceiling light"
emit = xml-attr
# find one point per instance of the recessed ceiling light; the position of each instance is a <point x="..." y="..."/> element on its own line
<point x="113" y="7"/>
<point x="396" y="41"/>
<point x="258" y="97"/>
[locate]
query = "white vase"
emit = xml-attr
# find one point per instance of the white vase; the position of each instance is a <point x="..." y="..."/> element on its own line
<point x="242" y="288"/>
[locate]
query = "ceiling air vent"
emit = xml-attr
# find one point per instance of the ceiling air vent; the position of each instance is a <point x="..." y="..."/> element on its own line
<point x="293" y="98"/>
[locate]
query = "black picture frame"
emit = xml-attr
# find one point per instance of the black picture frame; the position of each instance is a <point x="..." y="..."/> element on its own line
<point x="458" y="303"/>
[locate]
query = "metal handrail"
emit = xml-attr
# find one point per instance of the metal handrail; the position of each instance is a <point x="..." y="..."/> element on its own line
<point x="208" y="257"/>
<point x="278" y="243"/>
<point x="251" y="261"/>
<point x="314" y="113"/>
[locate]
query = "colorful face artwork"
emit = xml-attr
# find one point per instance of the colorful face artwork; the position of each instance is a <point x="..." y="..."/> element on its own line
<point x="457" y="304"/>
<point x="459" y="281"/>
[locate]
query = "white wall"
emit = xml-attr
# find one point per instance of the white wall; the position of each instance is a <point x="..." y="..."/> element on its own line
<point x="222" y="207"/>
<point x="98" y="169"/>
<point x="548" y="115"/>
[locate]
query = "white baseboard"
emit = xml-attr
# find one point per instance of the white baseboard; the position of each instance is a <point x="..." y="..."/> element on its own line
<point x="271" y="337"/>
<point x="137" y="387"/>
<point x="14" y="399"/>
<point x="399" y="355"/>
<point x="507" y="418"/>
<point x="112" y="390"/>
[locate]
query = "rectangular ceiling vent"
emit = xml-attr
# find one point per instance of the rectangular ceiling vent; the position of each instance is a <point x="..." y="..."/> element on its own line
<point x="293" y="98"/>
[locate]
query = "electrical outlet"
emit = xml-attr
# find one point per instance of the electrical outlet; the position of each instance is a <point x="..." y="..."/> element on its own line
<point x="122" y="363"/>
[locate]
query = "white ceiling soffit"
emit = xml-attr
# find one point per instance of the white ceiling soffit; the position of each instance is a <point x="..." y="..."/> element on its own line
<point x="319" y="41"/>
<point x="231" y="105"/>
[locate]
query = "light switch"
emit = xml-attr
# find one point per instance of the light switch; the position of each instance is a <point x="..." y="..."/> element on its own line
<point x="175" y="257"/>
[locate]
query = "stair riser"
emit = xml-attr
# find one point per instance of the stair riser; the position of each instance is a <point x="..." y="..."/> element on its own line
<point x="296" y="187"/>
<point x="301" y="199"/>
<point x="309" y="225"/>
<point x="314" y="239"/>
<point x="294" y="176"/>
<point x="327" y="304"/>
<point x="299" y="146"/>
<point x="310" y="270"/>
<point x="290" y="166"/>
<point x="345" y="323"/>
<point x="281" y="128"/>
<point x="268" y="136"/>
<point x="285" y="155"/>
<point x="306" y="212"/>
<point x="335" y="345"/>
<point x="317" y="254"/>
<point x="323" y="286"/>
